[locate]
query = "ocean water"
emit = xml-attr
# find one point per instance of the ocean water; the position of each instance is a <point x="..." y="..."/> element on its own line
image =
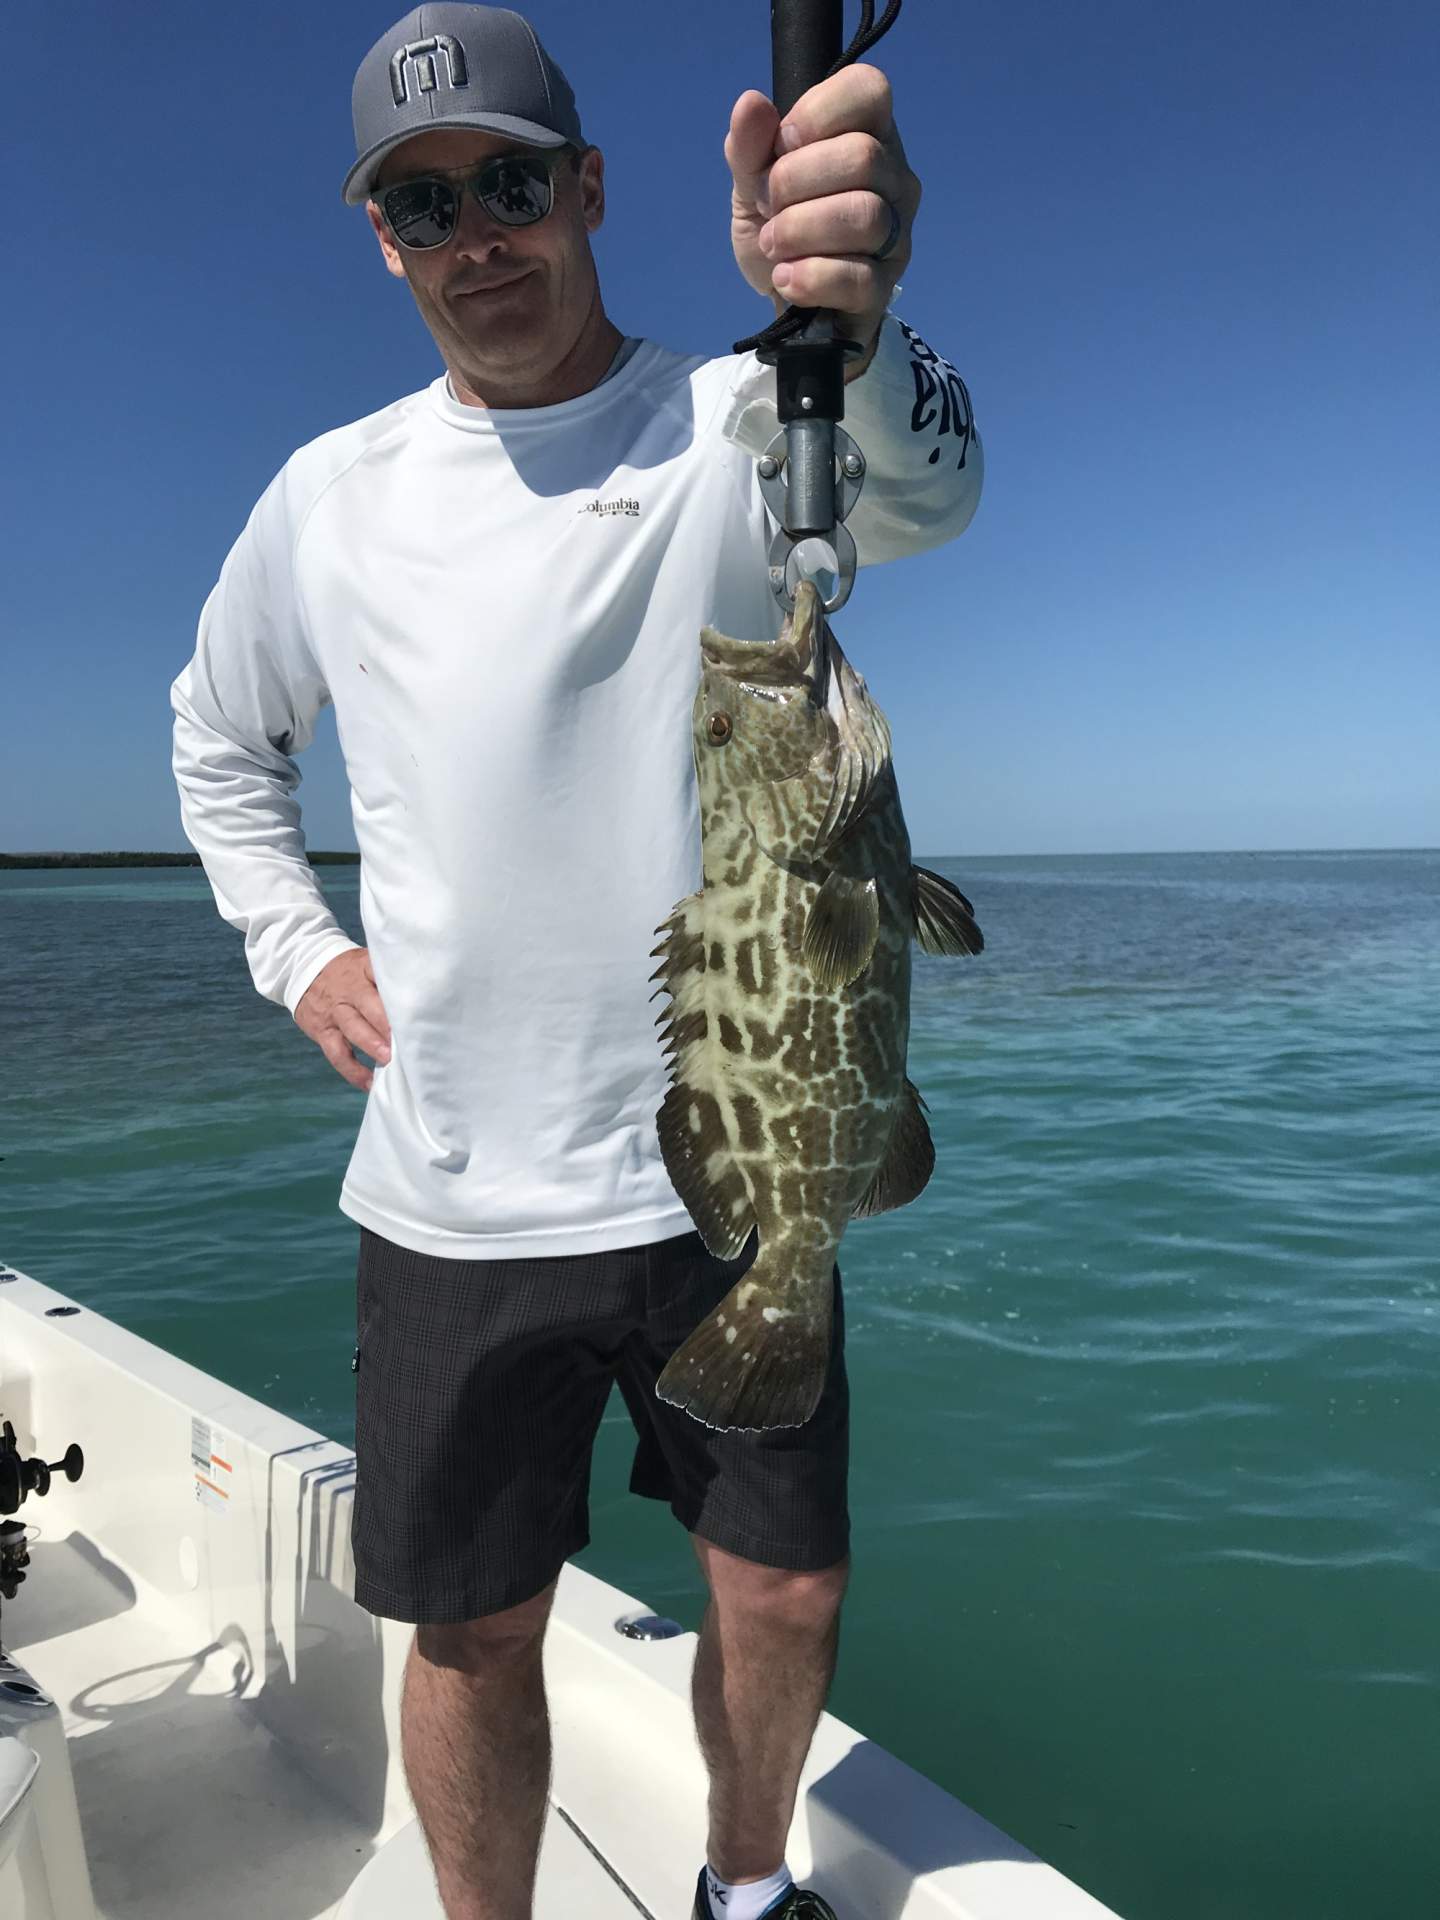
<point x="1146" y="1457"/>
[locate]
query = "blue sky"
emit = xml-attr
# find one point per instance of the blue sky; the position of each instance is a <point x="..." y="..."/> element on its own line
<point x="1185" y="258"/>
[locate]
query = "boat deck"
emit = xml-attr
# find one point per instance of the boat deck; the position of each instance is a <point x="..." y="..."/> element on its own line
<point x="182" y="1787"/>
<point x="192" y="1805"/>
<point x="231" y="1716"/>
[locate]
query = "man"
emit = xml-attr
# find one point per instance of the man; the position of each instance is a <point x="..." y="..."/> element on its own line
<point x="499" y="581"/>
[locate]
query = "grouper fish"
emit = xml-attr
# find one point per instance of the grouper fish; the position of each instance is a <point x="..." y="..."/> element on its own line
<point x="788" y="983"/>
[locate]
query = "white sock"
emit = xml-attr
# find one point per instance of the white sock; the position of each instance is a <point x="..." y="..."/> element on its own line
<point x="748" y="1901"/>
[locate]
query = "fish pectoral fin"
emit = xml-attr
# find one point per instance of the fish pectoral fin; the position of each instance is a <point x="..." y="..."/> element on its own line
<point x="909" y="1160"/>
<point x="760" y="1359"/>
<point x="703" y="1170"/>
<point x="944" y="918"/>
<point x="841" y="930"/>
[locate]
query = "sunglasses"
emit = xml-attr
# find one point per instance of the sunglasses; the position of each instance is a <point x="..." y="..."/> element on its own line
<point x="517" y="189"/>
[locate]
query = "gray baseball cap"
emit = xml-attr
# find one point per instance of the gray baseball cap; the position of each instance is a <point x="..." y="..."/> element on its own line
<point x="450" y="65"/>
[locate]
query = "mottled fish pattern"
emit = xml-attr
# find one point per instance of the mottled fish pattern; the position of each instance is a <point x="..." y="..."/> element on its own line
<point x="788" y="984"/>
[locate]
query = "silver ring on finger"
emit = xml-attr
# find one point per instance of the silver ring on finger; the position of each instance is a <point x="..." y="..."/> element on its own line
<point x="884" y="251"/>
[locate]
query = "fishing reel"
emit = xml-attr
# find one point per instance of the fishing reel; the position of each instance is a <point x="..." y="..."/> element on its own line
<point x="19" y="1478"/>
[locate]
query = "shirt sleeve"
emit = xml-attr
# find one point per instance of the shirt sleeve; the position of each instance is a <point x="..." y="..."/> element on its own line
<point x="244" y="706"/>
<point x="909" y="412"/>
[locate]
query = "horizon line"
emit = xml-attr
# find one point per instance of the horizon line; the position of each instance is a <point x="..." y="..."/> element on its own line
<point x="189" y="855"/>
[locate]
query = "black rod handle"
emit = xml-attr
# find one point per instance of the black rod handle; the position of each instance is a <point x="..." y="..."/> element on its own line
<point x="806" y="38"/>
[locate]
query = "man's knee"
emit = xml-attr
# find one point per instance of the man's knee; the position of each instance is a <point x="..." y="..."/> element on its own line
<point x="775" y="1594"/>
<point x="469" y="1646"/>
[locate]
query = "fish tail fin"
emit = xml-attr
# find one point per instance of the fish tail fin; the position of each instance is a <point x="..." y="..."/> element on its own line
<point x="759" y="1360"/>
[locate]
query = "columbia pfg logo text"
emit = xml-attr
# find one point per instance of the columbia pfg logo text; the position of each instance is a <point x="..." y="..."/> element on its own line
<point x="604" y="508"/>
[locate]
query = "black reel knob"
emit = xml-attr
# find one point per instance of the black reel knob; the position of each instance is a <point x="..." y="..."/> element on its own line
<point x="20" y="1477"/>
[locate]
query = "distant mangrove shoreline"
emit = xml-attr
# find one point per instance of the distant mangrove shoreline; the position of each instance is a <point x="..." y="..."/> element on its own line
<point x="146" y="860"/>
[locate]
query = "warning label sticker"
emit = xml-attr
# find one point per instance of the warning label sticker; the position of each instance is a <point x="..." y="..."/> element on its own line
<point x="209" y="1462"/>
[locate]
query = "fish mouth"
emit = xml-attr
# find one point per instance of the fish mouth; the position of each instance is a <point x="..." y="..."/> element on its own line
<point x="796" y="659"/>
<point x="757" y="663"/>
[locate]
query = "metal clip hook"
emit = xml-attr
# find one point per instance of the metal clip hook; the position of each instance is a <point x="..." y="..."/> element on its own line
<point x="828" y="558"/>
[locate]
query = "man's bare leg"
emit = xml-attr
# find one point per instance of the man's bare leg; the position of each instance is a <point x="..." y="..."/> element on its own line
<point x="475" y="1734"/>
<point x="763" y="1669"/>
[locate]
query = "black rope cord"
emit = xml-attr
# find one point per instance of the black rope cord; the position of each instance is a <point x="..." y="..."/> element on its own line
<point x="795" y="319"/>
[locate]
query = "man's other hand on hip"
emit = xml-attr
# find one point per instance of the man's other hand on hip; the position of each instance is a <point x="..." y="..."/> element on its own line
<point x="341" y="1012"/>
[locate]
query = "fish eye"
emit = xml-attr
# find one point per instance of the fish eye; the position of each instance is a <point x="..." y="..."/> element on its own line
<point x="720" y="728"/>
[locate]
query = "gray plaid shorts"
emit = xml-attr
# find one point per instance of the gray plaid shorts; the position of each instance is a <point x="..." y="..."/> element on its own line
<point x="479" y="1390"/>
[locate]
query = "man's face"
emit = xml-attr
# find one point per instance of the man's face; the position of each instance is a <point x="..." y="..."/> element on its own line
<point x="504" y="304"/>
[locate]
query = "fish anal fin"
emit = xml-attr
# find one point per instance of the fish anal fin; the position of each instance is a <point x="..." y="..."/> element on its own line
<point x="909" y="1160"/>
<point x="841" y="930"/>
<point x="702" y="1168"/>
<point x="944" y="918"/>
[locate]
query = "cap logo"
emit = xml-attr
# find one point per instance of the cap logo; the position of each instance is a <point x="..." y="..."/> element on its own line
<point x="419" y="58"/>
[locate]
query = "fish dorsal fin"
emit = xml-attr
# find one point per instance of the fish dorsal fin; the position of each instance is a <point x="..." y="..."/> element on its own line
<point x="909" y="1160"/>
<point x="681" y="953"/>
<point x="861" y="747"/>
<point x="944" y="918"/>
<point x="698" y="1159"/>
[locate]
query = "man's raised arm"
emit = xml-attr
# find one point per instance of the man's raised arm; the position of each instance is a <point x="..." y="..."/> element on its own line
<point x="822" y="209"/>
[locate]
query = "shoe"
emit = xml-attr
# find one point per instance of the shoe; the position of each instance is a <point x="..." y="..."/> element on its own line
<point x="798" y="1904"/>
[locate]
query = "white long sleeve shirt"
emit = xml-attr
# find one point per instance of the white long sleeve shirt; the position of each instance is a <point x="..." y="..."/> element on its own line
<point x="504" y="607"/>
